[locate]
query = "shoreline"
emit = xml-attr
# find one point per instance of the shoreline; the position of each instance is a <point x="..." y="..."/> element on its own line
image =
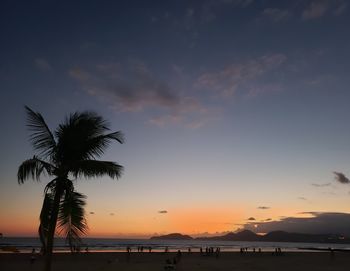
<point x="248" y="261"/>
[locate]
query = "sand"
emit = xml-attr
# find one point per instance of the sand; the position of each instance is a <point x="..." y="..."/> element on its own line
<point x="296" y="261"/>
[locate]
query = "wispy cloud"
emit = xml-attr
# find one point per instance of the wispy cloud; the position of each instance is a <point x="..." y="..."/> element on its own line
<point x="315" y="10"/>
<point x="321" y="184"/>
<point x="341" y="178"/>
<point x="163" y="212"/>
<point x="227" y="80"/>
<point x="42" y="64"/>
<point x="128" y="88"/>
<point x="302" y="198"/>
<point x="132" y="87"/>
<point x="263" y="207"/>
<point x="319" y="8"/>
<point x="341" y="8"/>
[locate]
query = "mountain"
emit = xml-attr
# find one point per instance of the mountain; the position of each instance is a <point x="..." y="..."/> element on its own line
<point x="280" y="236"/>
<point x="244" y="235"/>
<point x="274" y="236"/>
<point x="172" y="236"/>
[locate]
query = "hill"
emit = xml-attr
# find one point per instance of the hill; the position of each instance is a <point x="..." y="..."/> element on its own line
<point x="172" y="236"/>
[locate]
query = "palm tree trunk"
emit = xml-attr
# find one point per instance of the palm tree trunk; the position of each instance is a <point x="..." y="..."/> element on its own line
<point x="52" y="228"/>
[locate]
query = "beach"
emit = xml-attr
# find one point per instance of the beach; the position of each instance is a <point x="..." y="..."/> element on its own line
<point x="296" y="261"/>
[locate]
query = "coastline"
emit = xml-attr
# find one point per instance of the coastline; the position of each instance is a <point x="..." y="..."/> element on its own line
<point x="189" y="261"/>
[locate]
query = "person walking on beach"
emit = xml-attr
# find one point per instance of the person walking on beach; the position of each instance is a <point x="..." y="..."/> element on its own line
<point x="32" y="257"/>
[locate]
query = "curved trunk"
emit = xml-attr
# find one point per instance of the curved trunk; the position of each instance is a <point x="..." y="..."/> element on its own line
<point x="52" y="227"/>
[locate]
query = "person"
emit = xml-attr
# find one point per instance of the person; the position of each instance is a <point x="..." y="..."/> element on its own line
<point x="217" y="252"/>
<point x="87" y="249"/>
<point x="32" y="257"/>
<point x="178" y="255"/>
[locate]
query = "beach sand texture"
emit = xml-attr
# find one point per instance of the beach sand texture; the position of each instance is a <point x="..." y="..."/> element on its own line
<point x="296" y="261"/>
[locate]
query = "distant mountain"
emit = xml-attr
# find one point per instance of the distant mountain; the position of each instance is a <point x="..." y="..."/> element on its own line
<point x="172" y="236"/>
<point x="280" y="236"/>
<point x="274" y="236"/>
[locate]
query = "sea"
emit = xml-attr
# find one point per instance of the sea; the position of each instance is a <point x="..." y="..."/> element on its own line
<point x="26" y="244"/>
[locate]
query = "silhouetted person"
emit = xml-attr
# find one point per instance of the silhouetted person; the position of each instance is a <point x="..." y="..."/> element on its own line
<point x="178" y="255"/>
<point x="217" y="252"/>
<point x="332" y="253"/>
<point x="128" y="250"/>
<point x="32" y="257"/>
<point x="201" y="250"/>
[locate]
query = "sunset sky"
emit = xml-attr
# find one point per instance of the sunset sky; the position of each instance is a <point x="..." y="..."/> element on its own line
<point x="235" y="112"/>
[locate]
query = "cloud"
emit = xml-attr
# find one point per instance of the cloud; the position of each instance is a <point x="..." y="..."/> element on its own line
<point x="263" y="207"/>
<point x="340" y="9"/>
<point x="42" y="64"/>
<point x="251" y="219"/>
<point x="341" y="178"/>
<point x="320" y="8"/>
<point x="320" y="184"/>
<point x="132" y="87"/>
<point x="302" y="198"/>
<point x="92" y="213"/>
<point x="111" y="214"/>
<point x="276" y="14"/>
<point x="315" y="10"/>
<point x="227" y="80"/>
<point x="318" y="223"/>
<point x="163" y="212"/>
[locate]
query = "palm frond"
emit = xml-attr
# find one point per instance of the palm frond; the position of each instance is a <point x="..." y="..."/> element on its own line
<point x="96" y="146"/>
<point x="33" y="168"/>
<point x="95" y="168"/>
<point x="71" y="217"/>
<point x="83" y="136"/>
<point x="45" y="216"/>
<point x="41" y="137"/>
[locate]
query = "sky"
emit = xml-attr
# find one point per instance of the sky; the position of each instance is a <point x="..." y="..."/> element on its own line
<point x="235" y="112"/>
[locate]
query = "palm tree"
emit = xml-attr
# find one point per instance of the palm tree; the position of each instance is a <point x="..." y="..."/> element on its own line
<point x="66" y="154"/>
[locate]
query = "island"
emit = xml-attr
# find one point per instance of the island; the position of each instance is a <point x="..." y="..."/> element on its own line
<point x="172" y="236"/>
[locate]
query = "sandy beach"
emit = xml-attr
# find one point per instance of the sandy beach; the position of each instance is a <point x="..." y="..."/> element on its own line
<point x="189" y="261"/>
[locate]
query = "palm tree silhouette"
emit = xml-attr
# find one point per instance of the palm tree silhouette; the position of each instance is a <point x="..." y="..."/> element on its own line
<point x="67" y="153"/>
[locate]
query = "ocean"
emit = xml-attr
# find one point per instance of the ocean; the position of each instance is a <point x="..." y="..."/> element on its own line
<point x="26" y="244"/>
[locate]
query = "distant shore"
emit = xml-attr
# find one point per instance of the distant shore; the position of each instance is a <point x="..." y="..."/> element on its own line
<point x="189" y="261"/>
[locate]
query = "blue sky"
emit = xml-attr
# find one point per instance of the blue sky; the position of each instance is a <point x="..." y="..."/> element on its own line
<point x="223" y="103"/>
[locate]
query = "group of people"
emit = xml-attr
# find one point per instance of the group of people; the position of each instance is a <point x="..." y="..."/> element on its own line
<point x="245" y="249"/>
<point x="278" y="251"/>
<point x="210" y="251"/>
<point x="172" y="263"/>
